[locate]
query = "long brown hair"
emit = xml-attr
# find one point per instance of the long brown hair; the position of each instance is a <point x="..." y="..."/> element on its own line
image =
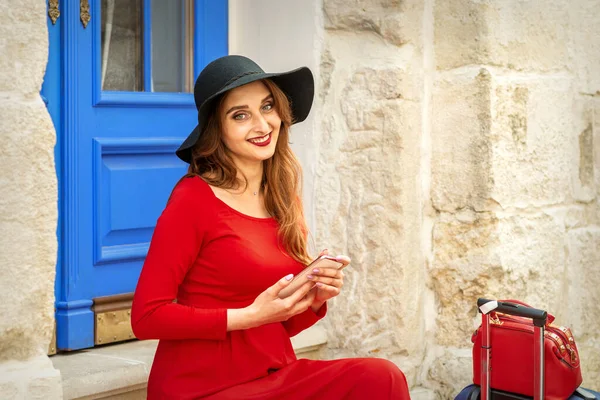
<point x="282" y="173"/>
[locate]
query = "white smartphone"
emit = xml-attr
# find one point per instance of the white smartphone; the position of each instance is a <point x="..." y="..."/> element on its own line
<point x="300" y="279"/>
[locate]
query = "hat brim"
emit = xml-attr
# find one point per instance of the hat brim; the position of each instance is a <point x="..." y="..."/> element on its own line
<point x="298" y="85"/>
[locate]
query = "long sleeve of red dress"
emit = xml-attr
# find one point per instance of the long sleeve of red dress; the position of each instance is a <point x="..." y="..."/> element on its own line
<point x="303" y="321"/>
<point x="177" y="239"/>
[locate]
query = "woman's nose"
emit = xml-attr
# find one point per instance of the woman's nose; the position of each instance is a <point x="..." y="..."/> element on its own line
<point x="262" y="125"/>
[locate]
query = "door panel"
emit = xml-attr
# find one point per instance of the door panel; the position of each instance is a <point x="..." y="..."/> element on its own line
<point x="117" y="148"/>
<point x="126" y="201"/>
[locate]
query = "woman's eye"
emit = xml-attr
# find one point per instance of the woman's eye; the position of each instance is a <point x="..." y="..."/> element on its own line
<point x="268" y="107"/>
<point x="240" y="117"/>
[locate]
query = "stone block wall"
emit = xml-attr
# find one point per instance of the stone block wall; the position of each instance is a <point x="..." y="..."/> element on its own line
<point x="460" y="158"/>
<point x="368" y="200"/>
<point x="28" y="207"/>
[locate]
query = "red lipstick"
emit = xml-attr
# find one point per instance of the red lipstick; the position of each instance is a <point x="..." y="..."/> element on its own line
<point x="262" y="144"/>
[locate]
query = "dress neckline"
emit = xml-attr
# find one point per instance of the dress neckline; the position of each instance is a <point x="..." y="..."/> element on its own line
<point x="241" y="214"/>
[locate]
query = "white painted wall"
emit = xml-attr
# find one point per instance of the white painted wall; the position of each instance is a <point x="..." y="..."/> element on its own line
<point x="280" y="36"/>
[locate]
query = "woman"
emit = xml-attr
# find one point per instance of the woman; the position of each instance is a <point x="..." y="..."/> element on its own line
<point x="230" y="238"/>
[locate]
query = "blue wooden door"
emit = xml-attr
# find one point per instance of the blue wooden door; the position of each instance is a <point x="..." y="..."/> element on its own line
<point x="126" y="72"/>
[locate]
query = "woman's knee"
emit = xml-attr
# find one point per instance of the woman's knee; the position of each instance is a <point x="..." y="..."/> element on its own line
<point x="381" y="368"/>
<point x="382" y="378"/>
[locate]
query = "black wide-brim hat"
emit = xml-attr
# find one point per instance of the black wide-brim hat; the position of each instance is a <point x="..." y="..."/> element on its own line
<point x="233" y="71"/>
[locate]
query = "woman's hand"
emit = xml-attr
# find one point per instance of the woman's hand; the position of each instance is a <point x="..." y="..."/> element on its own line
<point x="268" y="307"/>
<point x="328" y="281"/>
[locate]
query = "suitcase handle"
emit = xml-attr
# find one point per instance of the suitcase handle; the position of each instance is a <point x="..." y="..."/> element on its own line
<point x="539" y="317"/>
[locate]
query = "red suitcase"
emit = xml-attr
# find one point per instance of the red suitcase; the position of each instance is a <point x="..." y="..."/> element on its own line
<point x="539" y="318"/>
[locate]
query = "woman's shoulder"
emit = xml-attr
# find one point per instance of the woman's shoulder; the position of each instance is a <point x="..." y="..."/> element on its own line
<point x="191" y="192"/>
<point x="191" y="184"/>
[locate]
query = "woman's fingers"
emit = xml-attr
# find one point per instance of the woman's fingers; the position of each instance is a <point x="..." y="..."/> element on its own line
<point x="335" y="281"/>
<point x="280" y="285"/>
<point x="330" y="289"/>
<point x="327" y="272"/>
<point x="345" y="260"/>
<point x="299" y="294"/>
<point x="324" y="252"/>
<point x="303" y="304"/>
<point x="307" y="300"/>
<point x="328" y="276"/>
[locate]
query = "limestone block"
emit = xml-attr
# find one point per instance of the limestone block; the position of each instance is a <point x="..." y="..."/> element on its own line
<point x="554" y="37"/>
<point x="28" y="218"/>
<point x="23" y="45"/>
<point x="582" y="215"/>
<point x="532" y="254"/>
<point x="394" y="30"/>
<point x="357" y="14"/>
<point x="462" y="270"/>
<point x="405" y="26"/>
<point x="460" y="33"/>
<point x="450" y="372"/>
<point x="495" y="33"/>
<point x="589" y="351"/>
<point x="460" y="164"/>
<point x="327" y="67"/>
<point x="11" y="390"/>
<point x="540" y="153"/>
<point x="421" y="393"/>
<point x="398" y="22"/>
<point x="383" y="84"/>
<point x="44" y="387"/>
<point x="481" y="255"/>
<point x="508" y="141"/>
<point x="585" y="182"/>
<point x="583" y="280"/>
<point x="584" y="45"/>
<point x="596" y="142"/>
<point x="35" y="378"/>
<point x="367" y="209"/>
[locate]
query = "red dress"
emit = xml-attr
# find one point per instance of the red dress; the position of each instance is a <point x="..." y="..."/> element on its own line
<point x="204" y="258"/>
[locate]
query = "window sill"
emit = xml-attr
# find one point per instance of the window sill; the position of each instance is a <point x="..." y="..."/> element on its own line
<point x="121" y="371"/>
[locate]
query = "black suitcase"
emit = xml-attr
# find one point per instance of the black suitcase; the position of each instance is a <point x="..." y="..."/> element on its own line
<point x="473" y="392"/>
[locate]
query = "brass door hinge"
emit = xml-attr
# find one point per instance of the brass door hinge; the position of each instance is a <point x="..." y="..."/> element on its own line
<point x="84" y="12"/>
<point x="53" y="11"/>
<point x="112" y="316"/>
